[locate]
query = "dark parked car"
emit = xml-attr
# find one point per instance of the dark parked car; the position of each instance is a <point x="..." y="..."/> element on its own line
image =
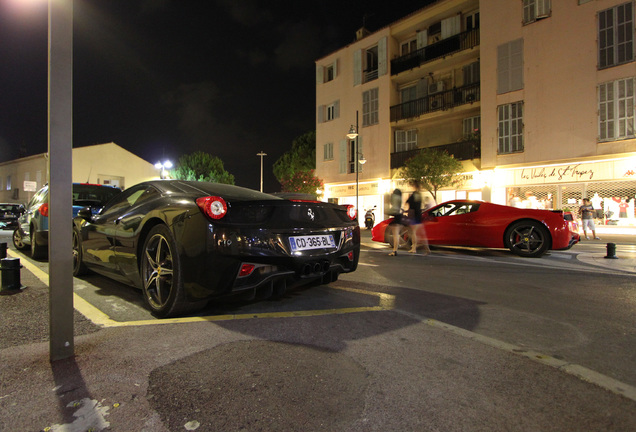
<point x="33" y="226"/>
<point x="183" y="243"/>
<point x="9" y="214"/>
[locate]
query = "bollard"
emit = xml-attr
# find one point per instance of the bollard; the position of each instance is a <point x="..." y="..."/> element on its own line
<point x="3" y="250"/>
<point x="611" y="251"/>
<point x="10" y="268"/>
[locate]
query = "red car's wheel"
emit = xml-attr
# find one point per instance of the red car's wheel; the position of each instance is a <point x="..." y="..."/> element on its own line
<point x="527" y="239"/>
<point x="405" y="236"/>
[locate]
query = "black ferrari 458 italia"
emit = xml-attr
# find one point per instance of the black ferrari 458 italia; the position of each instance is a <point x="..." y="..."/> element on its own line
<point x="184" y="243"/>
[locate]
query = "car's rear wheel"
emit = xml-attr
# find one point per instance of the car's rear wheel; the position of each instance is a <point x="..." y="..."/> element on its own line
<point x="38" y="251"/>
<point x="17" y="241"/>
<point x="161" y="274"/>
<point x="79" y="268"/>
<point x="528" y="239"/>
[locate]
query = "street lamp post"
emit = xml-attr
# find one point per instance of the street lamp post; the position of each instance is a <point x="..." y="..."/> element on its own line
<point x="261" y="154"/>
<point x="359" y="159"/>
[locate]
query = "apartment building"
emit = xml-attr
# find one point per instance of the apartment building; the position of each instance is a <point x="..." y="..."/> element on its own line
<point x="533" y="96"/>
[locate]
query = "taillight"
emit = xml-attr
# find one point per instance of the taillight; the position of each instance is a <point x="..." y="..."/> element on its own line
<point x="44" y="209"/>
<point x="246" y="270"/>
<point x="351" y="211"/>
<point x="213" y="206"/>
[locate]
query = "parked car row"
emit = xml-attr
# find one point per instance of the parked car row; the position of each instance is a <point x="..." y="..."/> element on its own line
<point x="9" y="214"/>
<point x="32" y="230"/>
<point x="183" y="243"/>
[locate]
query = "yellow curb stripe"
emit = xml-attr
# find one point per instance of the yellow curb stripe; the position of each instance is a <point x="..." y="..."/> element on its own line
<point x="97" y="317"/>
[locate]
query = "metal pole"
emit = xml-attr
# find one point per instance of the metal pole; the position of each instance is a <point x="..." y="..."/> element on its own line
<point x="357" y="169"/>
<point x="60" y="130"/>
<point x="261" y="154"/>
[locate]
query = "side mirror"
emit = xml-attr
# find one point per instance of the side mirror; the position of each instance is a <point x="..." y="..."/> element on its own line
<point x="86" y="214"/>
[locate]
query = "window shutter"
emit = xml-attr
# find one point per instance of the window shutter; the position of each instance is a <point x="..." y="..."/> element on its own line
<point x="336" y="109"/>
<point x="321" y="114"/>
<point x="503" y="78"/>
<point x="335" y="68"/>
<point x="422" y="38"/>
<point x="357" y="67"/>
<point x="320" y="74"/>
<point x="543" y="8"/>
<point x="422" y="88"/>
<point x="342" y="161"/>
<point x="382" y="57"/>
<point x="516" y="64"/>
<point x="451" y="26"/>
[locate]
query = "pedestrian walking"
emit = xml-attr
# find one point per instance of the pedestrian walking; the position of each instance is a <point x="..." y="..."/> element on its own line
<point x="399" y="220"/>
<point x="415" y="221"/>
<point x="587" y="213"/>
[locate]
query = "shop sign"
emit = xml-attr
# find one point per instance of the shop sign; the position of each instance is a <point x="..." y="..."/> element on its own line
<point x="572" y="173"/>
<point x="350" y="189"/>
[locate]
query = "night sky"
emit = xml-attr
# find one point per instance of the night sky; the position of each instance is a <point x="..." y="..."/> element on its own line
<point x="162" y="78"/>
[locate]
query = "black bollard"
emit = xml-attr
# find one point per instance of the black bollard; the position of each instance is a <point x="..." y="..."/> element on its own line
<point x="611" y="251"/>
<point x="3" y="250"/>
<point x="10" y="268"/>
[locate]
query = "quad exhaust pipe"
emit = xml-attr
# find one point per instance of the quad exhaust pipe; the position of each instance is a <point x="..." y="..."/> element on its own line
<point x="315" y="268"/>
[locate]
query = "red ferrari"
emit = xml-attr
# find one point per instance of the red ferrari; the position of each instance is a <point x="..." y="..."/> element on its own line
<point x="526" y="232"/>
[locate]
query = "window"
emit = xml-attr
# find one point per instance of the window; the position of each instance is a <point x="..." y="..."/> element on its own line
<point x="329" y="73"/>
<point x="471" y="73"/>
<point x="370" y="107"/>
<point x="510" y="66"/>
<point x="471" y="21"/>
<point x="326" y="73"/>
<point x="328" y="112"/>
<point x="510" y="125"/>
<point x="352" y="156"/>
<point x="8" y="182"/>
<point x="616" y="110"/>
<point x="331" y="111"/>
<point x="405" y="140"/>
<point x="472" y="126"/>
<point x="371" y="64"/>
<point x="328" y="152"/>
<point x="408" y="47"/>
<point x="616" y="36"/>
<point x="534" y="10"/>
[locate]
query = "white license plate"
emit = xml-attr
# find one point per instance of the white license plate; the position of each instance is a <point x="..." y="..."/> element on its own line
<point x="301" y="243"/>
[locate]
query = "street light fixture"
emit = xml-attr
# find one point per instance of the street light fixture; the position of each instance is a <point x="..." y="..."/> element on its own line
<point x="162" y="167"/>
<point x="261" y="154"/>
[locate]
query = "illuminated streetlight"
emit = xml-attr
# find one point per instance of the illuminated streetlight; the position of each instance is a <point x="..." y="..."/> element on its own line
<point x="359" y="158"/>
<point x="162" y="167"/>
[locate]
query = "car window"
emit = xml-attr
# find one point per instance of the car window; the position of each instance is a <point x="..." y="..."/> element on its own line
<point x="39" y="197"/>
<point x="454" y="209"/>
<point x="83" y="193"/>
<point x="133" y="196"/>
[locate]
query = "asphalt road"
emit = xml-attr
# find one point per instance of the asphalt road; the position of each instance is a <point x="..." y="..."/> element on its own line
<point x="463" y="339"/>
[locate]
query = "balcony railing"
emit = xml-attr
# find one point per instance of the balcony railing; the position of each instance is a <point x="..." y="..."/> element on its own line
<point x="443" y="48"/>
<point x="464" y="150"/>
<point x="436" y="102"/>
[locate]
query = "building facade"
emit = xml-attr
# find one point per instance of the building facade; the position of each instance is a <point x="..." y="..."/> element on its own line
<point x="533" y="96"/>
<point x="100" y="164"/>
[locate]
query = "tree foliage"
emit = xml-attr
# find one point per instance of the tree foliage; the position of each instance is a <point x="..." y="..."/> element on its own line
<point x="201" y="166"/>
<point x="432" y="170"/>
<point x="294" y="170"/>
<point x="303" y="182"/>
<point x="301" y="157"/>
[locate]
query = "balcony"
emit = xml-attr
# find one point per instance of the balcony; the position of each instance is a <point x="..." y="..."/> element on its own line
<point x="436" y="102"/>
<point x="443" y="48"/>
<point x="464" y="150"/>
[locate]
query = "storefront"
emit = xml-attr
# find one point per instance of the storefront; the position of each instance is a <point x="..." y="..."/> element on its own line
<point x="609" y="184"/>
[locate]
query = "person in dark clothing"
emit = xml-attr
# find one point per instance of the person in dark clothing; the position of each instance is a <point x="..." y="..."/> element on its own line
<point x="415" y="220"/>
<point x="398" y="219"/>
